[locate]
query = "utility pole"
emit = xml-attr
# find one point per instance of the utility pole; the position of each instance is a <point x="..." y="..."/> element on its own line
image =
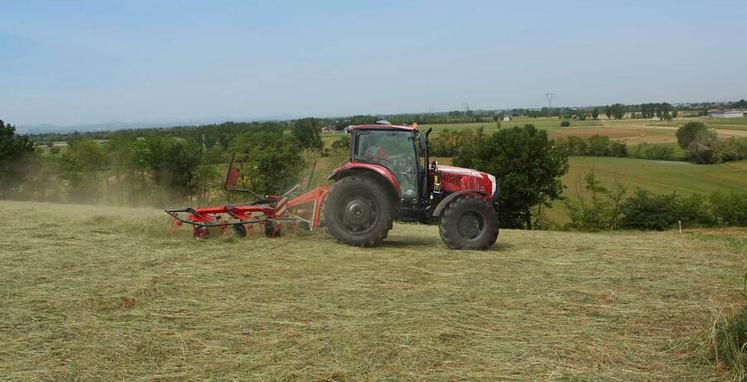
<point x="549" y="97"/>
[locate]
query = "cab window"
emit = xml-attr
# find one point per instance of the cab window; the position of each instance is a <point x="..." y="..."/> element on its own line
<point x="395" y="150"/>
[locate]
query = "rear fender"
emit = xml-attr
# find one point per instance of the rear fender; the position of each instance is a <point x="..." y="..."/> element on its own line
<point x="375" y="169"/>
<point x="445" y="201"/>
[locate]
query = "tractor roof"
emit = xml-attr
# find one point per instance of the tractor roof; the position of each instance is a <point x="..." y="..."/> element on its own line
<point x="381" y="127"/>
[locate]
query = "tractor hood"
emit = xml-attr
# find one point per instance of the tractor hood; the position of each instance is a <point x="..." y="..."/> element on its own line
<point x="455" y="179"/>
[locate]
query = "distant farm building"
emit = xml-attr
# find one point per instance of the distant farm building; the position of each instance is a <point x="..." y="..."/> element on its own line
<point x="506" y="118"/>
<point x="726" y="113"/>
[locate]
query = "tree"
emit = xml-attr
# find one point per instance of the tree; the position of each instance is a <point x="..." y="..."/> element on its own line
<point x="497" y="120"/>
<point x="80" y="168"/>
<point x="688" y="132"/>
<point x="617" y="110"/>
<point x="270" y="160"/>
<point x="308" y="132"/>
<point x="164" y="167"/>
<point x="342" y="143"/>
<point x="528" y="165"/>
<point x="603" y="208"/>
<point x="14" y="150"/>
<point x="180" y="171"/>
<point x="702" y="148"/>
<point x="595" y="113"/>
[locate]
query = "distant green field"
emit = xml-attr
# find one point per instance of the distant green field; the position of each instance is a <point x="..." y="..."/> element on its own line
<point x="661" y="177"/>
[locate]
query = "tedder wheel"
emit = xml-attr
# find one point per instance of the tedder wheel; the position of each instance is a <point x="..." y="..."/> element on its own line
<point x="358" y="211"/>
<point x="469" y="223"/>
<point x="239" y="230"/>
<point x="271" y="229"/>
<point x="200" y="232"/>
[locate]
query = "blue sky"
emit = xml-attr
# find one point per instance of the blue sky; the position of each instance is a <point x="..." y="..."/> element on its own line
<point x="83" y="62"/>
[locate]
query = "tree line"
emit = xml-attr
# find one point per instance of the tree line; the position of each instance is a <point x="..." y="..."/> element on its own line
<point x="154" y="167"/>
<point x="161" y="169"/>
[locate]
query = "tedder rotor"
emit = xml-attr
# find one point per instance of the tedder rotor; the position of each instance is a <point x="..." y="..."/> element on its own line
<point x="389" y="177"/>
<point x="270" y="212"/>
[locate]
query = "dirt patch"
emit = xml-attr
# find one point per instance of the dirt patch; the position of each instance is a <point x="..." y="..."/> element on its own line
<point x="627" y="134"/>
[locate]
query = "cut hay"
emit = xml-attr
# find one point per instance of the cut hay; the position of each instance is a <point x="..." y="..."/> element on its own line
<point x="95" y="293"/>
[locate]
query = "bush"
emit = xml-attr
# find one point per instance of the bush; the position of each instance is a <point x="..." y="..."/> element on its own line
<point x="695" y="211"/>
<point x="729" y="209"/>
<point x="687" y="133"/>
<point x="653" y="152"/>
<point x="599" y="209"/>
<point x="731" y="149"/>
<point x="647" y="211"/>
<point x="565" y="124"/>
<point x="597" y="145"/>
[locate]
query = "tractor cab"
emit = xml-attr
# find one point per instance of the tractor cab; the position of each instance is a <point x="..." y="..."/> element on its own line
<point x="398" y="149"/>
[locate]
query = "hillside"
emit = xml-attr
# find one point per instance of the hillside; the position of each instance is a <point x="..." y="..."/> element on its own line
<point x="109" y="294"/>
<point x="660" y="176"/>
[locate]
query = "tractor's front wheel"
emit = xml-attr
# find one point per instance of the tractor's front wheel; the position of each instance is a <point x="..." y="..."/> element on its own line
<point x="358" y="211"/>
<point x="469" y="223"/>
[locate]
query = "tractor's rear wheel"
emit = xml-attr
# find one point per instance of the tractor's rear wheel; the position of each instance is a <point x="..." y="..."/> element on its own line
<point x="358" y="211"/>
<point x="469" y="223"/>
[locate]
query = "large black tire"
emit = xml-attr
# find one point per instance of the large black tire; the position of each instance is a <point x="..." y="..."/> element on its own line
<point x="469" y="223"/>
<point x="358" y="211"/>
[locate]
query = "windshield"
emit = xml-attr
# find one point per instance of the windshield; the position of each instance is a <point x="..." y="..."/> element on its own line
<point x="395" y="150"/>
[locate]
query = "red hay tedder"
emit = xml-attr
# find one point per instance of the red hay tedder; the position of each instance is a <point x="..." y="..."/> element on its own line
<point x="389" y="177"/>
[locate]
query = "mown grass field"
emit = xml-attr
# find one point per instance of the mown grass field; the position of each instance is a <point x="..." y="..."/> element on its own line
<point x="101" y="293"/>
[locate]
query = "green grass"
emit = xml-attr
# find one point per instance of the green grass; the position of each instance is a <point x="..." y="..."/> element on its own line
<point x="94" y="293"/>
<point x="661" y="176"/>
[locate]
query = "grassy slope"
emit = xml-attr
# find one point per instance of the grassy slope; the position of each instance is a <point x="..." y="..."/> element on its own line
<point x="661" y="176"/>
<point x="107" y="293"/>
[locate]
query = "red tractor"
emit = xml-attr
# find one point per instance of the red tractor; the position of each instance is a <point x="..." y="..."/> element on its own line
<point x="389" y="177"/>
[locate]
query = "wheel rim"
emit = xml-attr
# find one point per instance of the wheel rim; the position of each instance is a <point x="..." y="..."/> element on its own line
<point x="357" y="214"/>
<point x="470" y="225"/>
